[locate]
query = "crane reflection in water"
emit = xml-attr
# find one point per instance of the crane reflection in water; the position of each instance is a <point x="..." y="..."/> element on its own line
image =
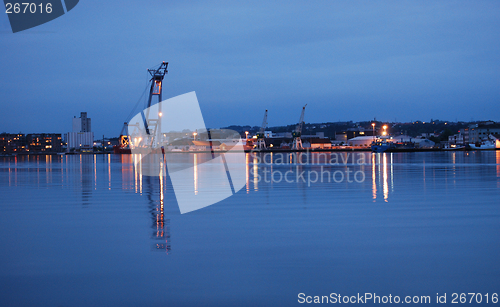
<point x="91" y="176"/>
<point x="161" y="198"/>
<point x="155" y="189"/>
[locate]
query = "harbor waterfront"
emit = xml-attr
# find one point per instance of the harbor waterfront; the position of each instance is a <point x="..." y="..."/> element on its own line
<point x="87" y="229"/>
<point x="249" y="153"/>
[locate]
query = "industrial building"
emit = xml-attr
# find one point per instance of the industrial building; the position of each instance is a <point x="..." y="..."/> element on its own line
<point x="82" y="124"/>
<point x="81" y="139"/>
<point x="361" y="141"/>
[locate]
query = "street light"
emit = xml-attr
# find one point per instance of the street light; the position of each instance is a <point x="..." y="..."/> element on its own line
<point x="246" y="134"/>
<point x="385" y="130"/>
<point x="373" y="133"/>
<point x="194" y="135"/>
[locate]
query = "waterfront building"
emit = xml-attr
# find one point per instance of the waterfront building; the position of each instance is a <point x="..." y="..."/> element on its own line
<point x="82" y="124"/>
<point x="44" y="142"/>
<point x="30" y="143"/>
<point x="457" y="139"/>
<point x="320" y="143"/>
<point x="418" y="141"/>
<point x="363" y="141"/>
<point x="12" y="143"/>
<point x="80" y="141"/>
<point x="341" y="138"/>
<point x="481" y="131"/>
<point x="81" y="138"/>
<point x="351" y="133"/>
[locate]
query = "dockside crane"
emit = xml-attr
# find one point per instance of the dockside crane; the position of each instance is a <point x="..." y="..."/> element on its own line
<point x="261" y="143"/>
<point x="152" y="122"/>
<point x="123" y="141"/>
<point x="297" y="141"/>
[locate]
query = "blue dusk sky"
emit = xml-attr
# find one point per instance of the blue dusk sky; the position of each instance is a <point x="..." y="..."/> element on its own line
<point x="348" y="60"/>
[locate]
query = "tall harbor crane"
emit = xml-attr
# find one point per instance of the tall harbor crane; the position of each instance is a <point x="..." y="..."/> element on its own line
<point x="152" y="123"/>
<point x="261" y="143"/>
<point x="297" y="141"/>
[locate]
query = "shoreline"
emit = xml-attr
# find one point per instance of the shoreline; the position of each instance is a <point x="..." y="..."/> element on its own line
<point x="259" y="151"/>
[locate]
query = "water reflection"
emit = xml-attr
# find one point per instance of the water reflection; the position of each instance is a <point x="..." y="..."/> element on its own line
<point x="88" y="177"/>
<point x="127" y="174"/>
<point x="48" y="169"/>
<point x="255" y="174"/>
<point x="109" y="170"/>
<point x="195" y="170"/>
<point x="384" y="170"/>
<point x="247" y="172"/>
<point x="374" y="183"/>
<point x="498" y="162"/>
<point x="498" y="167"/>
<point x="155" y="188"/>
<point x="386" y="186"/>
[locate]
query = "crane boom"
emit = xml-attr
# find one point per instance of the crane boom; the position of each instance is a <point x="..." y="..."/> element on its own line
<point x="156" y="80"/>
<point x="261" y="144"/>
<point x="264" y="123"/>
<point x="297" y="141"/>
<point x="298" y="129"/>
<point x="156" y="89"/>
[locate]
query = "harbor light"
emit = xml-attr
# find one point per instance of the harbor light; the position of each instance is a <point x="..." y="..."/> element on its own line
<point x="385" y="130"/>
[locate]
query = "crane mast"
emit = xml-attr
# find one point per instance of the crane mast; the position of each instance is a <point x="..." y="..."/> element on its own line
<point x="152" y="124"/>
<point x="297" y="141"/>
<point x="261" y="143"/>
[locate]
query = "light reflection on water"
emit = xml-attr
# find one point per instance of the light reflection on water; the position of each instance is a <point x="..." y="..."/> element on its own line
<point x="498" y="165"/>
<point x="71" y="169"/>
<point x="418" y="221"/>
<point x="85" y="171"/>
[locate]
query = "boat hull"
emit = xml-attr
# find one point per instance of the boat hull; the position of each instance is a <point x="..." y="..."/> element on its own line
<point x="121" y="150"/>
<point x="482" y="146"/>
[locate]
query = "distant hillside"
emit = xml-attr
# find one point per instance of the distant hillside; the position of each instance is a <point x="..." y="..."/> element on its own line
<point x="413" y="129"/>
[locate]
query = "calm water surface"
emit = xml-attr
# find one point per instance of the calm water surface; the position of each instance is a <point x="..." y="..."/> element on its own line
<point x="91" y="231"/>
